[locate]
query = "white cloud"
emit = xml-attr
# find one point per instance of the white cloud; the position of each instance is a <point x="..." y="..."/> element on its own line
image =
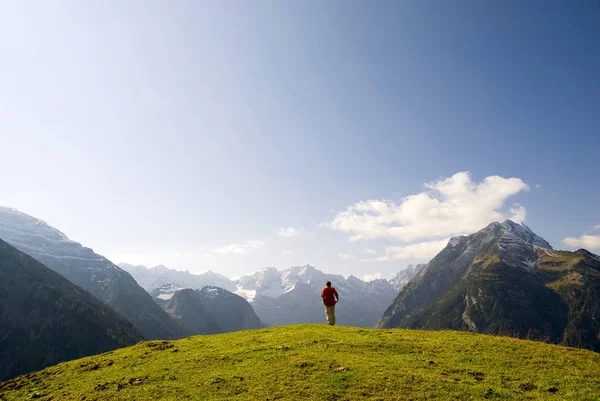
<point x="253" y="244"/>
<point x="450" y="206"/>
<point x="597" y="227"/>
<point x="585" y="241"/>
<point x="288" y="232"/>
<point x="368" y="251"/>
<point x="239" y="249"/>
<point x="346" y="255"/>
<point x="230" y="249"/>
<point x="518" y="213"/>
<point x="538" y="185"/>
<point x="286" y="251"/>
<point x="421" y="250"/>
<point x="372" y="276"/>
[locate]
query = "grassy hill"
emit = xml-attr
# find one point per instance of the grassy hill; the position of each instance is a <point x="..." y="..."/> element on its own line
<point x="318" y="362"/>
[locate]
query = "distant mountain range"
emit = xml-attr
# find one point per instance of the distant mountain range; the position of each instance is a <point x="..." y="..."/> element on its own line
<point x="505" y="280"/>
<point x="292" y="295"/>
<point x="207" y="310"/>
<point x="88" y="270"/>
<point x="45" y="319"/>
<point x="155" y="277"/>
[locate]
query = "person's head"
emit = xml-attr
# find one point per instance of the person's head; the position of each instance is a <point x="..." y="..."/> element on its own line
<point x="328" y="284"/>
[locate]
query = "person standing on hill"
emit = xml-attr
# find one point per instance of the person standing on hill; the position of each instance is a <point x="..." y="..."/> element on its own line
<point x="330" y="298"/>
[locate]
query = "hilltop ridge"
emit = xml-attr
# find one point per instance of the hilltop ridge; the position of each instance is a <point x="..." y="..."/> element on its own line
<point x="318" y="362"/>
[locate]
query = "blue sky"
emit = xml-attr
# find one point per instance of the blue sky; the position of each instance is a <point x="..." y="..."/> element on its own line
<point x="190" y="133"/>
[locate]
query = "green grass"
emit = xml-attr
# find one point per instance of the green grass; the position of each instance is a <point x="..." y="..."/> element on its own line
<point x="318" y="362"/>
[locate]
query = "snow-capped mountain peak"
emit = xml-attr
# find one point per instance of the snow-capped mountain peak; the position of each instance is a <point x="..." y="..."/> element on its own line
<point x="281" y="296"/>
<point x="210" y="291"/>
<point x="455" y="241"/>
<point x="404" y="276"/>
<point x="166" y="291"/>
<point x="523" y="232"/>
<point x="266" y="282"/>
<point x="11" y="215"/>
<point x="155" y="277"/>
<point x="36" y="236"/>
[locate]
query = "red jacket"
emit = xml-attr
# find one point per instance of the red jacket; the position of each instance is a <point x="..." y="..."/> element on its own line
<point x="330" y="296"/>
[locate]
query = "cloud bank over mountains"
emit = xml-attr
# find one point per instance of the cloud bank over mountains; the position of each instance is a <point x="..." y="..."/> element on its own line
<point x="584" y="241"/>
<point x="413" y="229"/>
<point x="448" y="207"/>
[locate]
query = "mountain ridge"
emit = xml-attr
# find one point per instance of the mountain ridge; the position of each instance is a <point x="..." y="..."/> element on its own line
<point x="504" y="280"/>
<point x="207" y="310"/>
<point x="292" y="295"/>
<point x="268" y="291"/>
<point x="151" y="278"/>
<point x="88" y="270"/>
<point x="45" y="319"/>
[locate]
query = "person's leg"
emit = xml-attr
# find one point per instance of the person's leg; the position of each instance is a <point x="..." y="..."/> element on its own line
<point x="329" y="315"/>
<point x="333" y="315"/>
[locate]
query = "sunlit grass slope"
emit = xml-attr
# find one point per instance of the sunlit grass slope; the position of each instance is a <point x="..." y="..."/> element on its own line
<point x="318" y="362"/>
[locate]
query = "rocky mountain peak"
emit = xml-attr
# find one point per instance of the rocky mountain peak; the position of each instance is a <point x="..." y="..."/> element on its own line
<point x="405" y="275"/>
<point x="32" y="235"/>
<point x="212" y="291"/>
<point x="523" y="232"/>
<point x="303" y="270"/>
<point x="166" y="291"/>
<point x="455" y="241"/>
<point x="504" y="280"/>
<point x="12" y="216"/>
